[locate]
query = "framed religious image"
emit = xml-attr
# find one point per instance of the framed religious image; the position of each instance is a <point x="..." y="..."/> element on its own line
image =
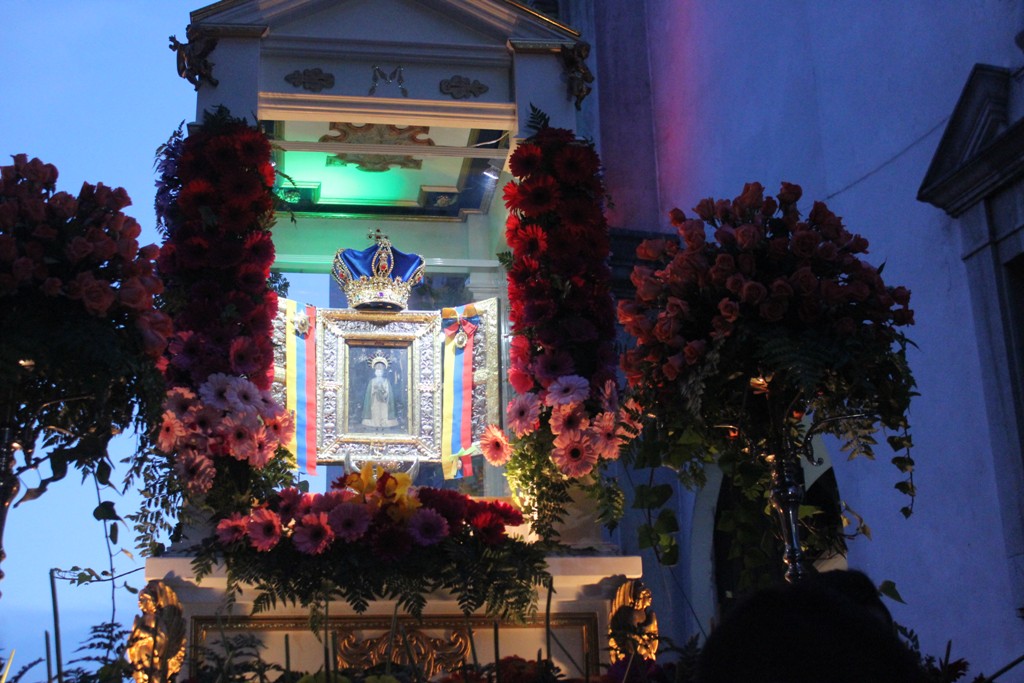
<point x="379" y="386"/>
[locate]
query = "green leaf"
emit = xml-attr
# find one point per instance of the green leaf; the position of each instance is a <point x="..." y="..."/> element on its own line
<point x="888" y="589"/>
<point x="651" y="497"/>
<point x="666" y="522"/>
<point x="906" y="511"/>
<point x="103" y="472"/>
<point x="906" y="487"/>
<point x="647" y="537"/>
<point x="670" y="556"/>
<point x="113" y="533"/>
<point x="904" y="463"/>
<point x="105" y="510"/>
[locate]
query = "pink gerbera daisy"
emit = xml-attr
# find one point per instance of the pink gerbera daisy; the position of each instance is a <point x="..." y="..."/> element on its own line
<point x="568" y="389"/>
<point x="204" y="419"/>
<point x="427" y="527"/>
<point x="293" y="504"/>
<point x="605" y="435"/>
<point x="313" y="534"/>
<point x="238" y="435"/>
<point x="281" y="426"/>
<point x="265" y="445"/>
<point x="349" y="521"/>
<point x="196" y="470"/>
<point x="524" y="414"/>
<point x="264" y="529"/>
<point x="568" y="418"/>
<point x="171" y="431"/>
<point x="231" y="529"/>
<point x="495" y="446"/>
<point x="179" y="400"/>
<point x="576" y="457"/>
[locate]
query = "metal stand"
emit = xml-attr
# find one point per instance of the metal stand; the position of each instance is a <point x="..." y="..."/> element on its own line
<point x="787" y="494"/>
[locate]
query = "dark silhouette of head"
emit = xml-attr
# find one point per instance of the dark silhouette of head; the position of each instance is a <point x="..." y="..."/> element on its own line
<point x="826" y="629"/>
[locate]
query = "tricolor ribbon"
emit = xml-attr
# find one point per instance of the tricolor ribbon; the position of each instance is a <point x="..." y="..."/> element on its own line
<point x="300" y="382"/>
<point x="459" y="326"/>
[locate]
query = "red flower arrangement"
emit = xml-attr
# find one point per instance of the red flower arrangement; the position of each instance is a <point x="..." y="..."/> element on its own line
<point x="81" y="337"/>
<point x="566" y="420"/>
<point x="375" y="536"/>
<point x="773" y="323"/>
<point x="221" y="427"/>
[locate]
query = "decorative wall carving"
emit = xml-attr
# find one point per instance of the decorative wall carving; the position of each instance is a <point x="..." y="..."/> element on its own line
<point x="193" y="64"/>
<point x="397" y="76"/>
<point x="576" y="70"/>
<point x="377" y="134"/>
<point x="431" y="655"/>
<point x="314" y="80"/>
<point x="460" y="87"/>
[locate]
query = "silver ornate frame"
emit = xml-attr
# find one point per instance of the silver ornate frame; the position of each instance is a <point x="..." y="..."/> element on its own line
<point x="339" y="334"/>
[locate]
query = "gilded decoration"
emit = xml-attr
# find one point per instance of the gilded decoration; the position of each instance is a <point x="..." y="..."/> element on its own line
<point x="460" y="87"/>
<point x="314" y="80"/>
<point x="377" y="134"/>
<point x="632" y="623"/>
<point x="440" y="643"/>
<point x="156" y="647"/>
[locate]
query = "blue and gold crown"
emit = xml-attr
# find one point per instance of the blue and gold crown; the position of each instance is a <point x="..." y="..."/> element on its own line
<point x="378" y="277"/>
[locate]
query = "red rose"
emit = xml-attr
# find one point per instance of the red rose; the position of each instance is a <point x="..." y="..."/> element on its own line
<point x="772" y="310"/>
<point x="790" y="193"/>
<point x="747" y="264"/>
<point x="900" y="295"/>
<point x="694" y="351"/>
<point x="753" y="292"/>
<point x="78" y="249"/>
<point x="651" y="250"/>
<point x="677" y="217"/>
<point x="672" y="365"/>
<point x="804" y="280"/>
<point x="721" y="328"/>
<point x="903" y="316"/>
<point x="98" y="297"/>
<point x="832" y="292"/>
<point x="705" y="209"/>
<point x="22" y="269"/>
<point x="51" y="286"/>
<point x="729" y="309"/>
<point x="735" y="283"/>
<point x="804" y="243"/>
<point x="133" y="294"/>
<point x="749" y="236"/>
<point x="693" y="234"/>
<point x="750" y="199"/>
<point x="781" y="289"/>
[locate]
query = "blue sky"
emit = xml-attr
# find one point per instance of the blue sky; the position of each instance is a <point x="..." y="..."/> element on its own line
<point x="90" y="87"/>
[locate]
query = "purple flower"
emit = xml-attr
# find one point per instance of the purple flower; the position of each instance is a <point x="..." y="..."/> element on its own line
<point x="349" y="521"/>
<point x="568" y="389"/>
<point x="427" y="527"/>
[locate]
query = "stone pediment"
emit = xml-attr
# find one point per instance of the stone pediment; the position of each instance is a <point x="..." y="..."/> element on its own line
<point x="465" y="22"/>
<point x="979" y="150"/>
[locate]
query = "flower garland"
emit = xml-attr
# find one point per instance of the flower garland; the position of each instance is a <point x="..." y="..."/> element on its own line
<point x="215" y="206"/>
<point x="566" y="420"/>
<point x="775" y="324"/>
<point x="373" y="535"/>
